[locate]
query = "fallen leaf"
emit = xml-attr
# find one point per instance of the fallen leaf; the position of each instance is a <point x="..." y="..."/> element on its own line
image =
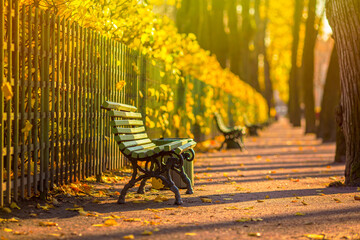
<point x="315" y="236"/>
<point x="132" y="220"/>
<point x="267" y="196"/>
<point x="47" y="224"/>
<point x="6" y="209"/>
<point x="7" y="230"/>
<point x="190" y="234"/>
<point x="254" y="234"/>
<point x="231" y="208"/>
<point x="111" y="222"/>
<point x="299" y="214"/>
<point x="129" y="237"/>
<point x="337" y="200"/>
<point x="304" y="203"/>
<point x="357" y="197"/>
<point x="14" y="205"/>
<point x="28" y="126"/>
<point x="146" y="233"/>
<point x="206" y="200"/>
<point x="7" y="91"/>
<point x="259" y="200"/>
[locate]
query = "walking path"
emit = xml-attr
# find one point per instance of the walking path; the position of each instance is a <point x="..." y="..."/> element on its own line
<point x="276" y="189"/>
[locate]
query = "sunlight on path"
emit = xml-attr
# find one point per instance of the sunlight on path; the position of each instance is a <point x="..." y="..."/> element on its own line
<point x="276" y="188"/>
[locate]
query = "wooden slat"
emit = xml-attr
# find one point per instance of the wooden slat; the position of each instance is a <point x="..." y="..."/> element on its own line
<point x="143" y="153"/>
<point x="134" y="143"/>
<point x="118" y="106"/>
<point x="129" y="150"/>
<point x="171" y="146"/>
<point x="185" y="147"/>
<point x="119" y="138"/>
<point x="124" y="114"/>
<point x="128" y="130"/>
<point x="115" y="123"/>
<point x="2" y="67"/>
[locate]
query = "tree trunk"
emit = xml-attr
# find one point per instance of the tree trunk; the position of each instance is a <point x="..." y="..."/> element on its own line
<point x="219" y="38"/>
<point x="294" y="86"/>
<point x="245" y="39"/>
<point x="331" y="98"/>
<point x="344" y="18"/>
<point x="234" y="38"/>
<point x="308" y="69"/>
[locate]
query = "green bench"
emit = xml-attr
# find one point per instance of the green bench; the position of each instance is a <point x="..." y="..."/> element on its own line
<point x="157" y="161"/>
<point x="233" y="135"/>
<point x="253" y="129"/>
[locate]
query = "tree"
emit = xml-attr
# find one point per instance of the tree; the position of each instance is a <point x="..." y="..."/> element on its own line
<point x="234" y="38"/>
<point x="327" y="126"/>
<point x="344" y="19"/>
<point x="294" y="103"/>
<point x="219" y="36"/>
<point x="308" y="69"/>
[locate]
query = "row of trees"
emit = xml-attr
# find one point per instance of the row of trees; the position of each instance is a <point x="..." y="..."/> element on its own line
<point x="237" y="39"/>
<point x="237" y="32"/>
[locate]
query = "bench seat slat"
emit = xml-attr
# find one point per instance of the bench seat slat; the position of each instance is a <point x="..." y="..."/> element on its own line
<point x="115" y="123"/>
<point x="118" y="106"/>
<point x="171" y="146"/>
<point x="143" y="153"/>
<point x="185" y="147"/>
<point x="129" y="137"/>
<point x="124" y="114"/>
<point x="120" y="130"/>
<point x="129" y="150"/>
<point x="123" y="145"/>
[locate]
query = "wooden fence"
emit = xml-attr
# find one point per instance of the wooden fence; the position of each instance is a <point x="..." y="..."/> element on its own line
<point x="54" y="76"/>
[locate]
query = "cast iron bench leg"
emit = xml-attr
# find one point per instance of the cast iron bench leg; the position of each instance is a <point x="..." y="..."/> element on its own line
<point x="141" y="189"/>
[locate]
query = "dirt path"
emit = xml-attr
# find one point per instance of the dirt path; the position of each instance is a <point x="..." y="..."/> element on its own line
<point x="277" y="189"/>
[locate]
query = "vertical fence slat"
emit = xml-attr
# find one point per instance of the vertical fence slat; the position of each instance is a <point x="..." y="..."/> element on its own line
<point x="58" y="111"/>
<point x="53" y="107"/>
<point x="22" y="101"/>
<point x="36" y="104"/>
<point x="2" y="27"/>
<point x="16" y="100"/>
<point x="63" y="117"/>
<point x="75" y="110"/>
<point x="72" y="160"/>
<point x="8" y="103"/>
<point x="67" y="159"/>
<point x="29" y="97"/>
<point x="85" y="106"/>
<point x="42" y="106"/>
<point x="81" y="109"/>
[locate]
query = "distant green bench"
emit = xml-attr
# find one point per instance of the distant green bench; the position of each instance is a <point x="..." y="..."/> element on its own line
<point x="253" y="129"/>
<point x="134" y="143"/>
<point x="233" y="135"/>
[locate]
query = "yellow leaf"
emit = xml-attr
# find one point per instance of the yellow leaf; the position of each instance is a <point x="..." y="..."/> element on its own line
<point x="141" y="94"/>
<point x="315" y="236"/>
<point x="28" y="126"/>
<point x="299" y="214"/>
<point x="162" y="74"/>
<point x="190" y="234"/>
<point x="7" y="230"/>
<point x="267" y="196"/>
<point x="111" y="222"/>
<point x="259" y="200"/>
<point x="14" y="205"/>
<point x="98" y="225"/>
<point x="254" y="234"/>
<point x="7" y="210"/>
<point x="146" y="233"/>
<point x="231" y="208"/>
<point x="7" y="91"/>
<point x="206" y="200"/>
<point x="357" y="197"/>
<point x="132" y="220"/>
<point x="129" y="237"/>
<point x="120" y="85"/>
<point x="47" y="224"/>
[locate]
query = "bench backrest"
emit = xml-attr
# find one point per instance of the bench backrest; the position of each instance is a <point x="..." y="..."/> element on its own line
<point x="220" y="123"/>
<point x="128" y="127"/>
